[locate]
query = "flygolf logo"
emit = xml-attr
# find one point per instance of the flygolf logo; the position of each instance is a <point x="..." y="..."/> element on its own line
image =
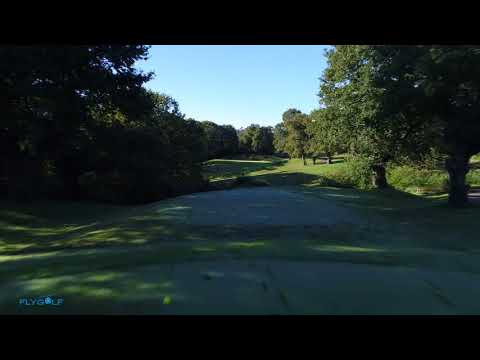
<point x="41" y="301"/>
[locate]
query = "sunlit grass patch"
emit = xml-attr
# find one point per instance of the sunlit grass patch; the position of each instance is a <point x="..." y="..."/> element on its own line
<point x="204" y="249"/>
<point x="103" y="277"/>
<point x="246" y="245"/>
<point x="222" y="169"/>
<point x="340" y="248"/>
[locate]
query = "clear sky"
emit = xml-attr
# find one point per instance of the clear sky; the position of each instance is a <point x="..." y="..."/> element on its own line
<point x="238" y="84"/>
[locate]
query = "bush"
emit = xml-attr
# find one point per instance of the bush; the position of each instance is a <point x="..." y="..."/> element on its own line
<point x="473" y="177"/>
<point x="414" y="179"/>
<point x="357" y="172"/>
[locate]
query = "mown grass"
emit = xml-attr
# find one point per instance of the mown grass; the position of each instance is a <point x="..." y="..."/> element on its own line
<point x="29" y="228"/>
<point x="422" y="218"/>
<point x="221" y="169"/>
<point x="280" y="172"/>
<point x="90" y="247"/>
<point x="274" y="171"/>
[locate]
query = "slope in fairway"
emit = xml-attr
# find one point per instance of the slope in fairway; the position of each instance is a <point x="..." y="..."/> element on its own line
<point x="243" y="251"/>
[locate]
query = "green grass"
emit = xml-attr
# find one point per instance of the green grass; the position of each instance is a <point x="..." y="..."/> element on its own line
<point x="281" y="172"/>
<point x="429" y="222"/>
<point x="221" y="169"/>
<point x="103" y="269"/>
<point x="99" y="255"/>
<point x="52" y="226"/>
<point x="274" y="171"/>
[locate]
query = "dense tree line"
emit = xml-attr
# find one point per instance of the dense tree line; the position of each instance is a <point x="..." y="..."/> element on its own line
<point x="256" y="139"/>
<point x="76" y="122"/>
<point x="311" y="135"/>
<point x="222" y="140"/>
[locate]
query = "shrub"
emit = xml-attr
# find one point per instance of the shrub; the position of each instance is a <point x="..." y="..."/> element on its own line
<point x="413" y="179"/>
<point x="357" y="172"/>
<point x="473" y="177"/>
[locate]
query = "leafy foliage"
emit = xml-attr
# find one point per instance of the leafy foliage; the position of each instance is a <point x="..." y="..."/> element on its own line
<point x="279" y="138"/>
<point x="256" y="139"/>
<point x="222" y="140"/>
<point x="78" y="123"/>
<point x="296" y="123"/>
<point x="325" y="138"/>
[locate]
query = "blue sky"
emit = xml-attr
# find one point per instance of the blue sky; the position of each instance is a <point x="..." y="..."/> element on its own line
<point x="238" y="84"/>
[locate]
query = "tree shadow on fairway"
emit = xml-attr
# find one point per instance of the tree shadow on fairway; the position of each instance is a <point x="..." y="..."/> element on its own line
<point x="94" y="292"/>
<point x="298" y="178"/>
<point x="224" y="168"/>
<point x="277" y="178"/>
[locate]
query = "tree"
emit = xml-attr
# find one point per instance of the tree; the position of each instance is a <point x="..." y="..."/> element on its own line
<point x="146" y="161"/>
<point x="257" y="140"/>
<point x="406" y="100"/>
<point x="297" y="138"/>
<point x="164" y="104"/>
<point x="262" y="141"/>
<point x="325" y="138"/>
<point x="229" y="140"/>
<point x="290" y="114"/>
<point x="279" y="138"/>
<point x="350" y="90"/>
<point x="346" y="90"/>
<point x="213" y="134"/>
<point x="434" y="90"/>
<point x="222" y="140"/>
<point x="50" y="97"/>
<point x="79" y="118"/>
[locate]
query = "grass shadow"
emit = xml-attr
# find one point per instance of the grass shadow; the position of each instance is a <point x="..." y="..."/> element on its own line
<point x="219" y="169"/>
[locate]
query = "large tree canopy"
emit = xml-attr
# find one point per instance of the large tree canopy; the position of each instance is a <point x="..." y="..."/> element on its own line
<point x="350" y="91"/>
<point x="280" y="138"/>
<point x="434" y="90"/>
<point x="51" y="99"/>
<point x="222" y="140"/>
<point x="403" y="100"/>
<point x="256" y="139"/>
<point x="296" y="142"/>
<point x="325" y="137"/>
<point x="77" y="122"/>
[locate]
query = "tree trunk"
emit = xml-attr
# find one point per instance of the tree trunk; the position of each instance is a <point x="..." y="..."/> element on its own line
<point x="304" y="160"/>
<point x="314" y="160"/>
<point x="329" y="159"/>
<point x="379" y="177"/>
<point x="458" y="166"/>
